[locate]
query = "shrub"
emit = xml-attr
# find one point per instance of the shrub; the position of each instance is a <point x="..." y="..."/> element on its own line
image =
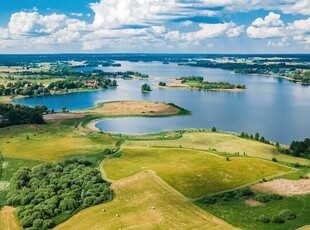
<point x="48" y="224"/>
<point x="274" y="159"/>
<point x="264" y="198"/>
<point x="263" y="218"/>
<point x="277" y="219"/>
<point x="209" y="200"/>
<point x="213" y="129"/>
<point x="287" y="214"/>
<point x="37" y="223"/>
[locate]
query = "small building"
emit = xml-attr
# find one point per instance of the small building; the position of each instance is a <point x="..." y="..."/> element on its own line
<point x="92" y="83"/>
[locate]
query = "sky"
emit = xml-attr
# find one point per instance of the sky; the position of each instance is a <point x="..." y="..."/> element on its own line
<point x="154" y="26"/>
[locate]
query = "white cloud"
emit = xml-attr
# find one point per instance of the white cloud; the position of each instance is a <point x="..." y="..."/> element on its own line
<point x="77" y="14"/>
<point x="283" y="42"/>
<point x="158" y="29"/>
<point x="207" y="31"/>
<point x="273" y="27"/>
<point x="187" y="23"/>
<point x="115" y="13"/>
<point x="22" y="23"/>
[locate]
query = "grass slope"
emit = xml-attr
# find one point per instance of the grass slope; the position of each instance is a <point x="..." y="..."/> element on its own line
<point x="222" y="142"/>
<point x="193" y="173"/>
<point x="50" y="142"/>
<point x="134" y="198"/>
<point x="241" y="215"/>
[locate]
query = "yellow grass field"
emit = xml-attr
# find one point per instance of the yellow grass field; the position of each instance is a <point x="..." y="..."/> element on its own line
<point x="144" y="201"/>
<point x="193" y="173"/>
<point x="222" y="142"/>
<point x="8" y="219"/>
<point x="50" y="142"/>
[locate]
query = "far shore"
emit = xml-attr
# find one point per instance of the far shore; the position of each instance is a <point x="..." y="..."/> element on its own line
<point x="177" y="84"/>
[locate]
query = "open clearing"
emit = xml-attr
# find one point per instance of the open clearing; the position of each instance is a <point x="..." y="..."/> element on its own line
<point x="222" y="142"/>
<point x="59" y="116"/>
<point x="50" y="142"/>
<point x="8" y="219"/>
<point x="193" y="173"/>
<point x="284" y="187"/>
<point x="134" y="198"/>
<point x="136" y="108"/>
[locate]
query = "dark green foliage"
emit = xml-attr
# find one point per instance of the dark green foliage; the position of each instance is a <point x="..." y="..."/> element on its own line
<point x="264" y="219"/>
<point x="266" y="197"/>
<point x="206" y="85"/>
<point x="213" y="129"/>
<point x="255" y="137"/>
<point x="146" y="88"/>
<point x="24" y="88"/>
<point x="274" y="159"/>
<point x="162" y="83"/>
<point x="52" y="189"/>
<point x="21" y="114"/>
<point x="287" y="214"/>
<point x="300" y="148"/>
<point x="277" y="219"/>
<point x="208" y="200"/>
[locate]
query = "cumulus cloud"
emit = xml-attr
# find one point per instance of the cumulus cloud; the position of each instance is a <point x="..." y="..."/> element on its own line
<point x="283" y="42"/>
<point x="207" y="31"/>
<point x="273" y="27"/>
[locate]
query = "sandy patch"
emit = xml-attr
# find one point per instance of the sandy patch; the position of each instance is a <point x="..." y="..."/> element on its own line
<point x="57" y="116"/>
<point x="253" y="203"/>
<point x="284" y="187"/>
<point x="140" y="108"/>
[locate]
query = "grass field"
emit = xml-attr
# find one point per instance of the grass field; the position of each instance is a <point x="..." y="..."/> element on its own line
<point x="239" y="214"/>
<point x="193" y="173"/>
<point x="222" y="142"/>
<point x="134" y="198"/>
<point x="50" y="142"/>
<point x="8" y="219"/>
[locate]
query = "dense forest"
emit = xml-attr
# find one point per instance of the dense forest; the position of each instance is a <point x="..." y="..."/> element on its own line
<point x="50" y="193"/>
<point x="20" y="114"/>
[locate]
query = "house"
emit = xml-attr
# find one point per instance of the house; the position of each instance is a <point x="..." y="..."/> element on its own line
<point x="92" y="83"/>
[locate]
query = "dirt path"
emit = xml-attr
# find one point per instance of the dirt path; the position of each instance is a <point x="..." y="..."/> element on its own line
<point x="7" y="219"/>
<point x="284" y="187"/>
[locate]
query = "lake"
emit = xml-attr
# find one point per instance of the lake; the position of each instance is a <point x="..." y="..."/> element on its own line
<point x="274" y="107"/>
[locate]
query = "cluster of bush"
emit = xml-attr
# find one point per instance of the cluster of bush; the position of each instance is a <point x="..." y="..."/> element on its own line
<point x="146" y="88"/>
<point x="256" y="137"/>
<point x="243" y="193"/>
<point x="52" y="190"/>
<point x="24" y="88"/>
<point x="206" y="85"/>
<point x="21" y="114"/>
<point x="279" y="218"/>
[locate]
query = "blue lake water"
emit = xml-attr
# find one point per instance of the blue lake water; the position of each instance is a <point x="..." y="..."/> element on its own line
<point x="276" y="108"/>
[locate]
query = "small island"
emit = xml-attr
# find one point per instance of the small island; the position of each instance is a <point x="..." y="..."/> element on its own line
<point x="197" y="82"/>
<point x="145" y="88"/>
<point x="138" y="108"/>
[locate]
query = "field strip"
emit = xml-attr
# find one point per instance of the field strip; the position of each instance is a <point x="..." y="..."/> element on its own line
<point x="7" y="219"/>
<point x="144" y="201"/>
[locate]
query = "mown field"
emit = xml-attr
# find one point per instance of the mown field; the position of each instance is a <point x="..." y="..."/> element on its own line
<point x="144" y="201"/>
<point x="191" y="172"/>
<point x="222" y="142"/>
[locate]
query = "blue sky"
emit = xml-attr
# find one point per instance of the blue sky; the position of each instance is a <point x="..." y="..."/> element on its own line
<point x="166" y="26"/>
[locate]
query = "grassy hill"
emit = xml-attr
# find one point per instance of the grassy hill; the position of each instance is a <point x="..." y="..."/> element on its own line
<point x="191" y="172"/>
<point x="134" y="198"/>
<point x="222" y="142"/>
